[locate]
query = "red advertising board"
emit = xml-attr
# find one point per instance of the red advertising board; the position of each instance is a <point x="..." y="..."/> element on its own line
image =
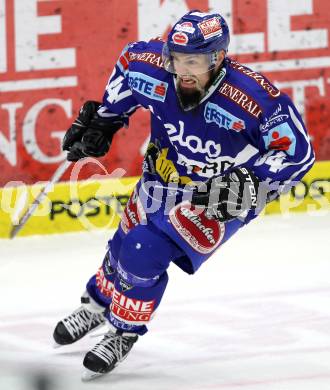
<point x="55" y="54"/>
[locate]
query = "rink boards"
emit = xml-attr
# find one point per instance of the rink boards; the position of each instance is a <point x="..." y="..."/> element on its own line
<point x="91" y="204"/>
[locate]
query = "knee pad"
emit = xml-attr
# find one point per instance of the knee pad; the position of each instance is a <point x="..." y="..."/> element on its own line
<point x="146" y="252"/>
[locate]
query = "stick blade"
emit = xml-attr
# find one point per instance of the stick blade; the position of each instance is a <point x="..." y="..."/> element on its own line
<point x="14" y="230"/>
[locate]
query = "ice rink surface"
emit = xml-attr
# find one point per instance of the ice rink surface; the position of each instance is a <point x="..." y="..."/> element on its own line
<point x="256" y="316"/>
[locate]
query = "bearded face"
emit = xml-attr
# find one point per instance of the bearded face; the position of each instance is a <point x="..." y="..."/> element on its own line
<point x="192" y="89"/>
<point x="193" y="77"/>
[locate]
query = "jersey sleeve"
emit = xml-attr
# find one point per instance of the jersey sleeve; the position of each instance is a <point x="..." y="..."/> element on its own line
<point x="118" y="100"/>
<point x="286" y="150"/>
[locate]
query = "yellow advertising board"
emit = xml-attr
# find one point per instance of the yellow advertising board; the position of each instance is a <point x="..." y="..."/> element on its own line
<point x="91" y="204"/>
<point x="312" y="194"/>
<point x="69" y="207"/>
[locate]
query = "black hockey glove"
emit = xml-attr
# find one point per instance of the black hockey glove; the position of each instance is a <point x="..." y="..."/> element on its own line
<point x="229" y="196"/>
<point x="90" y="135"/>
<point x="150" y="158"/>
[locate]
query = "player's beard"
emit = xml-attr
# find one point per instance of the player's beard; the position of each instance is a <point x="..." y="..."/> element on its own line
<point x="190" y="97"/>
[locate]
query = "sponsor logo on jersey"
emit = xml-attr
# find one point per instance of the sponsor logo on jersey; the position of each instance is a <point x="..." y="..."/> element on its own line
<point x="185" y="27"/>
<point x="275" y="119"/>
<point x="210" y="27"/>
<point x="180" y="38"/>
<point x="218" y="166"/>
<point x="192" y="142"/>
<point x="223" y="118"/>
<point x="260" y="79"/>
<point x="129" y="310"/>
<point x="281" y="138"/>
<point x="148" y="86"/>
<point x="167" y="171"/>
<point x="104" y="285"/>
<point x="241" y="98"/>
<point x="147" y="57"/>
<point x="200" y="232"/>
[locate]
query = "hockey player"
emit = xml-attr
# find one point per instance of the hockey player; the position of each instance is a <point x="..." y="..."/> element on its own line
<point x="224" y="141"/>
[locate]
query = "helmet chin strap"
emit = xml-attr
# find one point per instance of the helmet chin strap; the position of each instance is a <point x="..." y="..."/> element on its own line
<point x="214" y="77"/>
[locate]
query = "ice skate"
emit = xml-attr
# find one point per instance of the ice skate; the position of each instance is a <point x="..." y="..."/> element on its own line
<point x="112" y="349"/>
<point x="87" y="317"/>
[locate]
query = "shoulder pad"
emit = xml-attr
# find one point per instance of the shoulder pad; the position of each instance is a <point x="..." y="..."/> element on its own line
<point x="149" y="53"/>
<point x="253" y="81"/>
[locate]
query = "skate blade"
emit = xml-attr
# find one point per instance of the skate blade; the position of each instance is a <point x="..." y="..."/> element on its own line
<point x="89" y="375"/>
<point x="55" y="345"/>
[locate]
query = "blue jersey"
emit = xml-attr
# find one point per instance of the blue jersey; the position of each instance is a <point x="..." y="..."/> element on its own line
<point x="243" y="120"/>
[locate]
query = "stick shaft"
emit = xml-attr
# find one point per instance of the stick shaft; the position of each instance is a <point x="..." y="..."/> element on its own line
<point x="29" y="212"/>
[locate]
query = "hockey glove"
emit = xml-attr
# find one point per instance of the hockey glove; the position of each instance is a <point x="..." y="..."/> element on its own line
<point x="229" y="196"/>
<point x="90" y="135"/>
<point x="150" y="158"/>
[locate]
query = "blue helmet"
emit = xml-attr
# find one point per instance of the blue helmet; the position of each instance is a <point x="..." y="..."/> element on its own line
<point x="198" y="32"/>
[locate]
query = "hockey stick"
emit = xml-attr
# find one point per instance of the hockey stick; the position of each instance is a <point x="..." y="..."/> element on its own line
<point x="55" y="178"/>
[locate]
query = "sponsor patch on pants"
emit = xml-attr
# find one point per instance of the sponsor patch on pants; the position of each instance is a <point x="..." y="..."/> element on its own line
<point x="133" y="213"/>
<point x="130" y="310"/>
<point x="104" y="285"/>
<point x="202" y="233"/>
